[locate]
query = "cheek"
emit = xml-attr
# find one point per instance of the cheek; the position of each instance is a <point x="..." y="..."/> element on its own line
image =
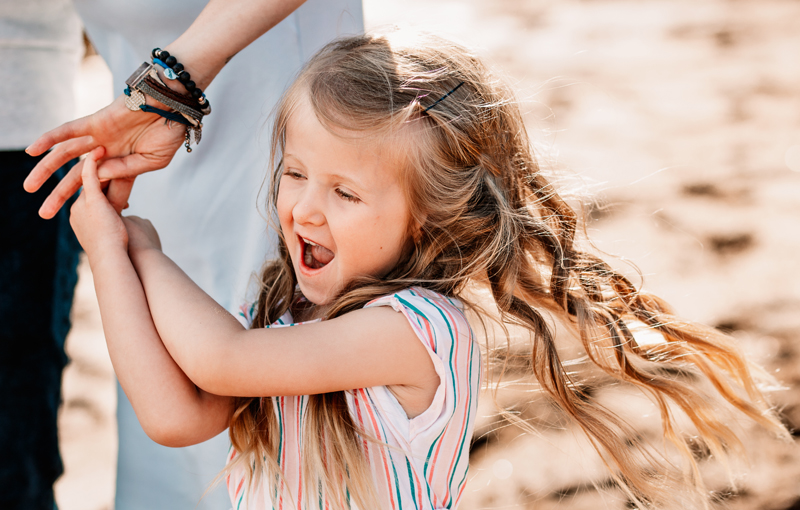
<point x="284" y="209"/>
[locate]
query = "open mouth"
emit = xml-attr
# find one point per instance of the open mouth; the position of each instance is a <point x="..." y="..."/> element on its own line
<point x="315" y="256"/>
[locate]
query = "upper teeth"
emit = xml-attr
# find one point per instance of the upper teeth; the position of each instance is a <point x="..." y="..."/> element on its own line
<point x="310" y="242"/>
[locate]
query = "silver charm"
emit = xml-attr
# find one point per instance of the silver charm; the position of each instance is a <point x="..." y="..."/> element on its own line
<point x="135" y="100"/>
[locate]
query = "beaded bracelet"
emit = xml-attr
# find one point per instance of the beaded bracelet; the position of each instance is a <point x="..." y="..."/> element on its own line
<point x="174" y="70"/>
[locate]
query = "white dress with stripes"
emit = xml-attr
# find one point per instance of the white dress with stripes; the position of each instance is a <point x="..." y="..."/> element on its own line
<point x="425" y="466"/>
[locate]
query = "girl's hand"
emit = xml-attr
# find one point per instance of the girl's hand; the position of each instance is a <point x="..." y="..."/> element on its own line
<point x="95" y="216"/>
<point x="135" y="142"/>
<point x="141" y="234"/>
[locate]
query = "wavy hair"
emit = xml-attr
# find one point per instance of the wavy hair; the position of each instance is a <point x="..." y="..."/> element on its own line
<point x="490" y="219"/>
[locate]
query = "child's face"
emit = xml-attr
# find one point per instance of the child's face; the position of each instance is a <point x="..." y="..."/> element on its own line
<point x="341" y="207"/>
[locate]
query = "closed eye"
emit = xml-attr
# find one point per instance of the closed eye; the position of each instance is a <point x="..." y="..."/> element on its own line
<point x="347" y="196"/>
<point x="294" y="174"/>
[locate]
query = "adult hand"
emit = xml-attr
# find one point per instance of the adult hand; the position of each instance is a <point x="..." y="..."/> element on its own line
<point x="135" y="143"/>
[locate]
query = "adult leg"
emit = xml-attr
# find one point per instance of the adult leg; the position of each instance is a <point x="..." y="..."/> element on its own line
<point x="38" y="261"/>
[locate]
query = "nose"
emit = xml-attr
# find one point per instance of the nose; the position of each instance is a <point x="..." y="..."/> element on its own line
<point x="308" y="208"/>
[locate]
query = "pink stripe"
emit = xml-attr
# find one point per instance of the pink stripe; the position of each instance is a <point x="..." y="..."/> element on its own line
<point x="356" y="401"/>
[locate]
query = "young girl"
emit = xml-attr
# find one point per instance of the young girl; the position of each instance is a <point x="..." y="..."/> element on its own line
<point x="403" y="182"/>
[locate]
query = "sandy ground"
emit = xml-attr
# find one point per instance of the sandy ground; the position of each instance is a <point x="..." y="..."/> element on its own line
<point x="681" y="118"/>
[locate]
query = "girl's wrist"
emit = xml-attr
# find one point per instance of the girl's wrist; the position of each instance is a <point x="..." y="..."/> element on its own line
<point x="106" y="255"/>
<point x="140" y="255"/>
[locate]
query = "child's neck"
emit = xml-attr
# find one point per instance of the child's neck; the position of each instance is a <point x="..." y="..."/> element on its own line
<point x="304" y="311"/>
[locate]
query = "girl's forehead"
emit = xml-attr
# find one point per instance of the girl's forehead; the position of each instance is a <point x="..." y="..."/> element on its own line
<point x="372" y="160"/>
<point x="305" y="124"/>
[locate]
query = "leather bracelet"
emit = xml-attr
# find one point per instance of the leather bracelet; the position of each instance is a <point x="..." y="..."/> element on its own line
<point x="146" y="86"/>
<point x="138" y="87"/>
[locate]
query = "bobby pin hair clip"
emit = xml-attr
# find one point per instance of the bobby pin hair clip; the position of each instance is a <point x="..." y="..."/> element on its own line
<point x="443" y="97"/>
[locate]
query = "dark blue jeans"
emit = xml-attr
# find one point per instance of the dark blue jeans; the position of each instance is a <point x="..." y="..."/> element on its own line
<point x="38" y="262"/>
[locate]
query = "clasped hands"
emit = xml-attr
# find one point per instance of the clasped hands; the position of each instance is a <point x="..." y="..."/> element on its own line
<point x="133" y="142"/>
<point x="119" y="145"/>
<point x="97" y="222"/>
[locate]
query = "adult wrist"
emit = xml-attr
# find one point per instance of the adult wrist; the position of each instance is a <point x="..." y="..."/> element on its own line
<point x="176" y="73"/>
<point x="187" y="109"/>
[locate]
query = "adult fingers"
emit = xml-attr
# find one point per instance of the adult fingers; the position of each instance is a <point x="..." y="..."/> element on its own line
<point x="118" y="192"/>
<point x="63" y="190"/>
<point x="56" y="159"/>
<point x="131" y="165"/>
<point x="73" y="129"/>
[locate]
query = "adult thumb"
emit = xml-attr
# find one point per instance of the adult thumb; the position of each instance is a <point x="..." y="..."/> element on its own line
<point x="118" y="192"/>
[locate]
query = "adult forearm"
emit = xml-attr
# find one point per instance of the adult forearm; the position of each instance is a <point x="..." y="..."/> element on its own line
<point x="224" y="28"/>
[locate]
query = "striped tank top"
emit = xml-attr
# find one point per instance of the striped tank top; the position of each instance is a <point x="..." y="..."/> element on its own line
<point x="425" y="466"/>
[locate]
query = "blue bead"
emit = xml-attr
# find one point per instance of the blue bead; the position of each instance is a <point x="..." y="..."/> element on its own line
<point x="170" y="74"/>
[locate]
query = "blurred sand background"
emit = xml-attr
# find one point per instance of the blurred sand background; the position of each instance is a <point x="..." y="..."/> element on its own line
<point x="682" y="119"/>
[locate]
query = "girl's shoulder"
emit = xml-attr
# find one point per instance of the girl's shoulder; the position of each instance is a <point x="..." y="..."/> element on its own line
<point x="438" y="320"/>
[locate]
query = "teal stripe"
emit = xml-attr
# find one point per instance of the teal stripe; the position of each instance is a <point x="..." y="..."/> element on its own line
<point x="241" y="498"/>
<point x="466" y="428"/>
<point x="389" y="452"/>
<point x="279" y="409"/>
<point x="411" y="482"/>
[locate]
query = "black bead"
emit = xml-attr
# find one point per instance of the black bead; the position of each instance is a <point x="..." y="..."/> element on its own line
<point x="171" y="61"/>
<point x="163" y="55"/>
<point x="190" y="85"/>
<point x="177" y="67"/>
<point x="155" y="52"/>
<point x="183" y="76"/>
<point x="196" y="93"/>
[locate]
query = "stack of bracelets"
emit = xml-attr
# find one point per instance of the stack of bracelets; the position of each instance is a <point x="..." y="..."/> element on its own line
<point x="187" y="109"/>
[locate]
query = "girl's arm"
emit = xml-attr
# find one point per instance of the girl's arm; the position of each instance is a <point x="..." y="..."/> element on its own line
<point x="171" y="409"/>
<point x="136" y="142"/>
<point x="368" y="347"/>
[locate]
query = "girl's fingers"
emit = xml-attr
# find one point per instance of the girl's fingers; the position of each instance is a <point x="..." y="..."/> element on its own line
<point x="91" y="183"/>
<point x="118" y="192"/>
<point x="57" y="158"/>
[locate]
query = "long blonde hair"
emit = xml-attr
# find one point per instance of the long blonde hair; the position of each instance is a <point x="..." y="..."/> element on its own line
<point x="489" y="218"/>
